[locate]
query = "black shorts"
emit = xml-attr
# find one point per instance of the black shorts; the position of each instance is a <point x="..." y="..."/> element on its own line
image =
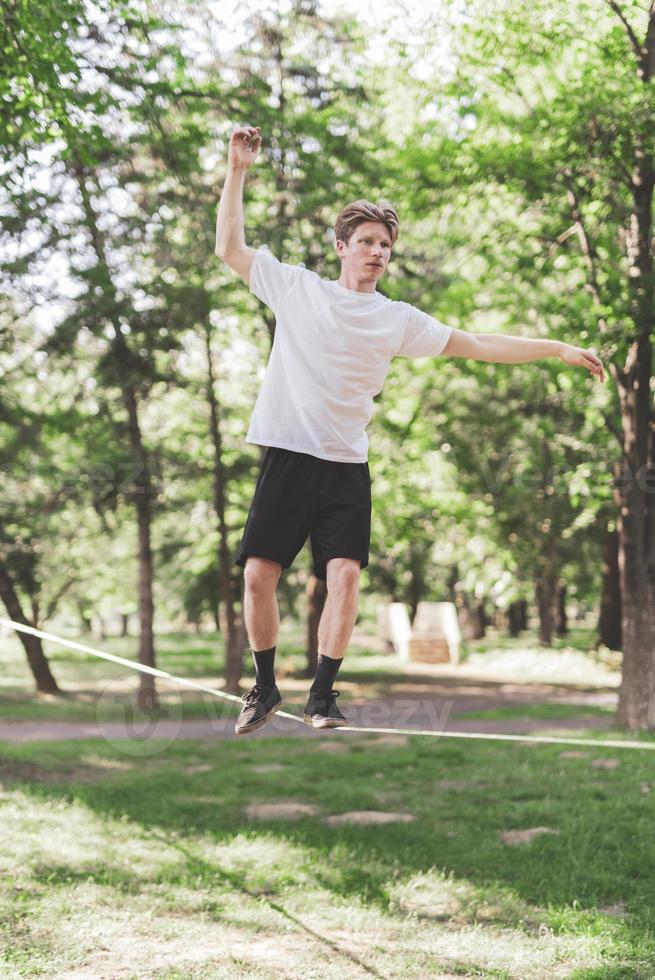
<point x="297" y="496"/>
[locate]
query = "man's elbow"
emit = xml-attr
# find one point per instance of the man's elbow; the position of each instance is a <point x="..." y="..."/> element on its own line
<point x="227" y="257"/>
<point x="225" y="245"/>
<point x="239" y="260"/>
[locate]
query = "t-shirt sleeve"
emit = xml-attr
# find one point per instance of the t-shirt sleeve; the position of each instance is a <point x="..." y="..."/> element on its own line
<point x="424" y="336"/>
<point x="270" y="279"/>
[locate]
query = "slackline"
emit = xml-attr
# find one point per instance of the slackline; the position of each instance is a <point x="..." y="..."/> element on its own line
<point x="155" y="672"/>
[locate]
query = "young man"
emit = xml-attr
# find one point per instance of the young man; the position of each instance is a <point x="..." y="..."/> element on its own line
<point x="334" y="341"/>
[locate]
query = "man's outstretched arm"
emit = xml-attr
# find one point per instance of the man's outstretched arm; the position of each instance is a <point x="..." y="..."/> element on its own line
<point x="230" y="232"/>
<point x="504" y="349"/>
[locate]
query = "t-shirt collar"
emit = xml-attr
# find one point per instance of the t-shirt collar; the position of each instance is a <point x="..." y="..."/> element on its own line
<point x="354" y="292"/>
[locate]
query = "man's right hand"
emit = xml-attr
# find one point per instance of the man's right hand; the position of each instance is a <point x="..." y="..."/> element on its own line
<point x="243" y="147"/>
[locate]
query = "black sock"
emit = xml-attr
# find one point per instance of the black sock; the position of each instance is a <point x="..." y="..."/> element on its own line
<point x="326" y="672"/>
<point x="265" y="667"/>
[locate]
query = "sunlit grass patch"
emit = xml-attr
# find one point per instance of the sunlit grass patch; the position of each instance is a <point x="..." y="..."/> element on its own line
<point x="196" y="905"/>
<point x="58" y="836"/>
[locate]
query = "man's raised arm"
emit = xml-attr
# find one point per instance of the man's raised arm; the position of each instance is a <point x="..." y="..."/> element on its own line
<point x="505" y="349"/>
<point x="230" y="233"/>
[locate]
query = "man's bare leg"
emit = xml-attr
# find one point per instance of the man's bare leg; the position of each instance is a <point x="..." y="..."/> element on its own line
<point x="334" y="632"/>
<point x="261" y="614"/>
<point x="340" y="610"/>
<point x="262" y="624"/>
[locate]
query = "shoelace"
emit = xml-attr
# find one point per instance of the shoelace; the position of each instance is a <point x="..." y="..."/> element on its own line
<point x="255" y="694"/>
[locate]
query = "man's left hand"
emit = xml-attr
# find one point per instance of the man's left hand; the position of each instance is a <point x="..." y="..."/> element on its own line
<point x="578" y="357"/>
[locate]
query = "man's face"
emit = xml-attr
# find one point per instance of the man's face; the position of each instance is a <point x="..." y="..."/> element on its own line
<point x="367" y="254"/>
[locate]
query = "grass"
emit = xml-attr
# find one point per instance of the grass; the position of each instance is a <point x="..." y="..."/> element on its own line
<point x="578" y="638"/>
<point x="204" y="859"/>
<point x="156" y="867"/>
<point x="537" y="712"/>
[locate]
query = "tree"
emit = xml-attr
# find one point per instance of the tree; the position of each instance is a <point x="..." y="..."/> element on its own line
<point x="106" y="144"/>
<point x="552" y="108"/>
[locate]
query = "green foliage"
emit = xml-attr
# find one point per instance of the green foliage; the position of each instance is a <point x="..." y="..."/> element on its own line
<point x="114" y="151"/>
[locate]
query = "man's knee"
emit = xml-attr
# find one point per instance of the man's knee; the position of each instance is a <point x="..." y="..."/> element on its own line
<point x="261" y="576"/>
<point x="343" y="575"/>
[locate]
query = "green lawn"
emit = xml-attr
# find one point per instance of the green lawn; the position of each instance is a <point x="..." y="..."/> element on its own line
<point x="158" y="866"/>
<point x="218" y="859"/>
<point x="537" y="712"/>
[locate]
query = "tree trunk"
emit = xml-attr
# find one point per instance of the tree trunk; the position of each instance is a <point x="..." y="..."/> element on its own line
<point x="562" y="620"/>
<point x="234" y="650"/>
<point x="43" y="676"/>
<point x="514" y="618"/>
<point x="235" y="632"/>
<point x="416" y="588"/>
<point x="609" y="622"/>
<point x="316" y="593"/>
<point x="215" y="608"/>
<point x="636" y="709"/>
<point x="451" y="583"/>
<point x="142" y="496"/>
<point x="635" y="487"/>
<point x="481" y="619"/>
<point x="125" y="624"/>
<point x="126" y="371"/>
<point x="634" y="484"/>
<point x="545" y="593"/>
<point x="466" y="617"/>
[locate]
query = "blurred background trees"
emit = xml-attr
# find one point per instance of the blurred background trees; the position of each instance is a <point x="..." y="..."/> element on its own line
<point x="514" y="140"/>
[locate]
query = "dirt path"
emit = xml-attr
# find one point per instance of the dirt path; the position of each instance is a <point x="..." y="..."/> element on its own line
<point x="433" y="704"/>
<point x="49" y="731"/>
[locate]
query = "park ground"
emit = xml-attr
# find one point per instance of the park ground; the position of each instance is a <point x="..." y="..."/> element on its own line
<point x="327" y="855"/>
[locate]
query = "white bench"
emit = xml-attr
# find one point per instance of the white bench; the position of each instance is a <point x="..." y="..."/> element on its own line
<point x="435" y="636"/>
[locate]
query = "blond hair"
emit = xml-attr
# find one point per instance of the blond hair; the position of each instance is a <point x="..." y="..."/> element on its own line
<point x="357" y="212"/>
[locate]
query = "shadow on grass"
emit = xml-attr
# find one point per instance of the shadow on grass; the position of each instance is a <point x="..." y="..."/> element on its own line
<point x="207" y="869"/>
<point x="600" y="854"/>
<point x="197" y="868"/>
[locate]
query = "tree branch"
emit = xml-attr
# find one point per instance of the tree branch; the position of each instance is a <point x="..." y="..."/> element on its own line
<point x="634" y="40"/>
<point x="517" y="89"/>
<point x="649" y="43"/>
<point x="54" y="601"/>
<point x="561" y="239"/>
<point x="589" y="257"/>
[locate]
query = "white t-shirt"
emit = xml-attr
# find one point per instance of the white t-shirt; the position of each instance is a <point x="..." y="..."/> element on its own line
<point x="330" y="356"/>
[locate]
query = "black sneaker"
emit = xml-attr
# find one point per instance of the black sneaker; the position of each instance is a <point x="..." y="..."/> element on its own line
<point x="258" y="704"/>
<point x="321" y="710"/>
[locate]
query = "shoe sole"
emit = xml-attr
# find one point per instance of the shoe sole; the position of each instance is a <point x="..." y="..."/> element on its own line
<point x="259" y="723"/>
<point x="323" y="722"/>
